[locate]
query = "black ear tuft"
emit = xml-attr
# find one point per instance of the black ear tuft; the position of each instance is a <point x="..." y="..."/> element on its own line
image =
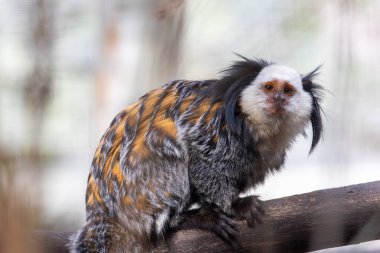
<point x="316" y="92"/>
<point x="228" y="90"/>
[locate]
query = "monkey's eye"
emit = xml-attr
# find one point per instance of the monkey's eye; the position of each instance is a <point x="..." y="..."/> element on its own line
<point x="288" y="91"/>
<point x="268" y="87"/>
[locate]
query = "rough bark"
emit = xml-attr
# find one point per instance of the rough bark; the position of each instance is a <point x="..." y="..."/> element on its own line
<point x="299" y="223"/>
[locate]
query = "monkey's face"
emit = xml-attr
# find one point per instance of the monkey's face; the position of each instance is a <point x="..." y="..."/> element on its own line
<point x="276" y="95"/>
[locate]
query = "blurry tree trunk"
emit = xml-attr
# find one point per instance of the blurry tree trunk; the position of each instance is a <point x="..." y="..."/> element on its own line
<point x="109" y="42"/>
<point x="162" y="43"/>
<point x="341" y="138"/>
<point x="344" y="74"/>
<point x="158" y="58"/>
<point x="19" y="211"/>
<point x="38" y="84"/>
<point x="20" y="203"/>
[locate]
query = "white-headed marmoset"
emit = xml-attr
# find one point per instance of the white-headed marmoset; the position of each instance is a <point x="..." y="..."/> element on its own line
<point x="189" y="142"/>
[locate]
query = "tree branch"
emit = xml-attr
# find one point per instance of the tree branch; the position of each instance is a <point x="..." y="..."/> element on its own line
<point x="299" y="223"/>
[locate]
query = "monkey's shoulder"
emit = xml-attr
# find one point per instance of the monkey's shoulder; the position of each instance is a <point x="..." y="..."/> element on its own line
<point x="150" y="126"/>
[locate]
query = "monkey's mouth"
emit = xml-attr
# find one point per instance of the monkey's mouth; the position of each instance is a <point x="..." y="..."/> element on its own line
<point x="276" y="110"/>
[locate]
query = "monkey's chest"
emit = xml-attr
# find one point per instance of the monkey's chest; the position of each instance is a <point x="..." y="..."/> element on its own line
<point x="271" y="161"/>
<point x="262" y="165"/>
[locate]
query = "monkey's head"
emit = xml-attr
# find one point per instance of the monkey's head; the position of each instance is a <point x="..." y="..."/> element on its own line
<point x="280" y="97"/>
<point x="274" y="99"/>
<point x="276" y="94"/>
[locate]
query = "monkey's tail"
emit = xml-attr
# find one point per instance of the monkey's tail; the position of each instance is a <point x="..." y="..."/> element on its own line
<point x="102" y="236"/>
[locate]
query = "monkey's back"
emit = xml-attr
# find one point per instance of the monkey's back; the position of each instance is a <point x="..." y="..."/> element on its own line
<point x="139" y="173"/>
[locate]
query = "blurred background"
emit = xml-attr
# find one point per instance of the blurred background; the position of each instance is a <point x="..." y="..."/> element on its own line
<point x="68" y="67"/>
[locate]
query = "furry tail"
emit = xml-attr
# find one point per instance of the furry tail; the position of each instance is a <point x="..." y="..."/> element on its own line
<point x="101" y="236"/>
<point x="94" y="237"/>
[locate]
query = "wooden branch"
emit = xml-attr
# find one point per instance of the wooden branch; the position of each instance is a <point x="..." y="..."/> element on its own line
<point x="305" y="222"/>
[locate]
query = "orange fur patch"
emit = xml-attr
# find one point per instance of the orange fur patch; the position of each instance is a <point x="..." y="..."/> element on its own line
<point x="95" y="191"/>
<point x="97" y="153"/>
<point x="168" y="194"/>
<point x="215" y="138"/>
<point x="169" y="100"/>
<point x="131" y="114"/>
<point x="117" y="172"/>
<point x="127" y="200"/>
<point x="142" y="203"/>
<point x="151" y="187"/>
<point x="203" y="107"/>
<point x="150" y="104"/>
<point x="167" y="126"/>
<point x="113" y="154"/>
<point x="108" y="164"/>
<point x="110" y="186"/>
<point x="186" y="103"/>
<point x="90" y="200"/>
<point x="133" y="109"/>
<point x="212" y="112"/>
<point x="119" y="132"/>
<point x="139" y="147"/>
<point x="199" y="111"/>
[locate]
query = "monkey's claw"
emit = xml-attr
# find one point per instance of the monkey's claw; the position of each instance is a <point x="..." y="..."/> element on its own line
<point x="211" y="219"/>
<point x="224" y="227"/>
<point x="249" y="209"/>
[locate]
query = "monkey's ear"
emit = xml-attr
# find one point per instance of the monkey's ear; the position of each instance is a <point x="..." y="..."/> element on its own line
<point x="228" y="91"/>
<point x="316" y="92"/>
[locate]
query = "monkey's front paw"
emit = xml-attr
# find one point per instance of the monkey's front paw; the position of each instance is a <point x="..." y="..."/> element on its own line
<point x="250" y="209"/>
<point x="211" y="219"/>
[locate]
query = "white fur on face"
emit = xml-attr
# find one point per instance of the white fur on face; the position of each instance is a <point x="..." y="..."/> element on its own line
<point x="254" y="101"/>
<point x="279" y="72"/>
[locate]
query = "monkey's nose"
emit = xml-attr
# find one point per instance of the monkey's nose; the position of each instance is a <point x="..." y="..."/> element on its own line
<point x="279" y="98"/>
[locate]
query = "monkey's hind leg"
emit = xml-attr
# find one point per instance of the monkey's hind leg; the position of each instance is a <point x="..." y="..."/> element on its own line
<point x="101" y="235"/>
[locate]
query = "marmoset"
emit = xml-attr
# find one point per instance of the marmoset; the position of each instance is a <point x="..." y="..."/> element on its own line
<point x="190" y="142"/>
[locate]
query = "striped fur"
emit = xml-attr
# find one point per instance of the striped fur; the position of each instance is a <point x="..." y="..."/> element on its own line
<point x="186" y="142"/>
